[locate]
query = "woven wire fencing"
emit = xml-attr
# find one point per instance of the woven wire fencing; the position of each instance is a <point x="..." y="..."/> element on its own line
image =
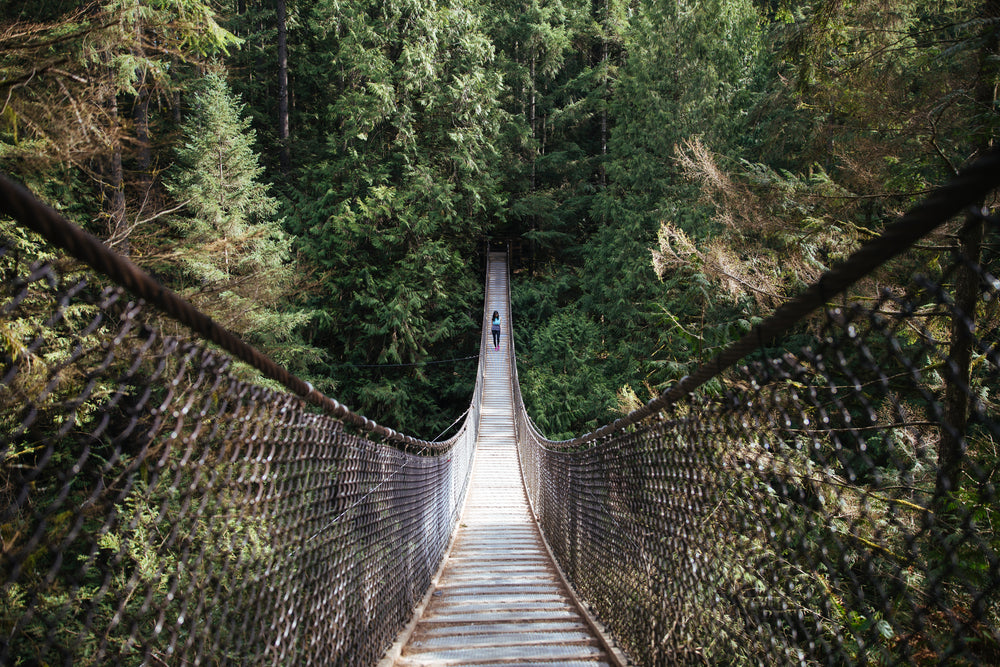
<point x="830" y="499"/>
<point x="157" y="509"/>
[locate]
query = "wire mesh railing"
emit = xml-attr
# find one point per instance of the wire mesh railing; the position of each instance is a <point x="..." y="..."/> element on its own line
<point x="157" y="509"/>
<point x="833" y="502"/>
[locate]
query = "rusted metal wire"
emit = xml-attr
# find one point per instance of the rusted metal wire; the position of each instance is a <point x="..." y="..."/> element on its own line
<point x="795" y="515"/>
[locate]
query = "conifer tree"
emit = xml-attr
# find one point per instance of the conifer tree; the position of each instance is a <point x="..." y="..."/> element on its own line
<point x="234" y="259"/>
<point x="219" y="170"/>
<point x="691" y="71"/>
<point x="70" y="76"/>
<point x="395" y="198"/>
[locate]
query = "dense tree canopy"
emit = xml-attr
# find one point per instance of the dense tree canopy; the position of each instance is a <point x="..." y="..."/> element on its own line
<point x="323" y="176"/>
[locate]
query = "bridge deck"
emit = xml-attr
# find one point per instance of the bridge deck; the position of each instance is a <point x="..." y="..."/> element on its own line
<point x="499" y="599"/>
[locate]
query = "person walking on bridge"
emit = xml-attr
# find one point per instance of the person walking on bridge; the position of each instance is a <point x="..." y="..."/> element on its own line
<point x="496" y="330"/>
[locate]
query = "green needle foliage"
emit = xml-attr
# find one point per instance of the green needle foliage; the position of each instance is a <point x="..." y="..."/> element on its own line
<point x="668" y="171"/>
<point x="233" y="256"/>
<point x="393" y="207"/>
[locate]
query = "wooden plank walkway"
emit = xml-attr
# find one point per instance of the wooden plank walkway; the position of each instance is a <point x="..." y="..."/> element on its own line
<point x="499" y="599"/>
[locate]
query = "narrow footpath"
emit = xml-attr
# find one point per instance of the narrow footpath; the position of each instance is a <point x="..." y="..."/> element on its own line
<point x="499" y="600"/>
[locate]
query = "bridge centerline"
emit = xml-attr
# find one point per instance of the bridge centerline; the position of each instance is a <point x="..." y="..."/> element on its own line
<point x="499" y="596"/>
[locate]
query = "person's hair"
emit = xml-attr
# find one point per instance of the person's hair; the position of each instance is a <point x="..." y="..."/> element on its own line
<point x="496" y="314"/>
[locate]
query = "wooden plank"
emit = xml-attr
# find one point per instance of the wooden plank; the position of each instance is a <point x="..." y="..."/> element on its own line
<point x="499" y="599"/>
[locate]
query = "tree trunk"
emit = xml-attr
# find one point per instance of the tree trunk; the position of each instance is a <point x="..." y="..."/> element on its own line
<point x="175" y="100"/>
<point x="951" y="447"/>
<point x="283" y="124"/>
<point x="112" y="176"/>
<point x="115" y="204"/>
<point x="604" y="109"/>
<point x="534" y="157"/>
<point x="952" y="444"/>
<point x="140" y="115"/>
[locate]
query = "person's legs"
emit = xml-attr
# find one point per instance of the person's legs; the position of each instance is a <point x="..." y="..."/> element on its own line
<point x="496" y="338"/>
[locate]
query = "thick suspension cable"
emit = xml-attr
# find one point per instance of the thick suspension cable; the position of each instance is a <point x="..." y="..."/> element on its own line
<point x="972" y="184"/>
<point x="17" y="202"/>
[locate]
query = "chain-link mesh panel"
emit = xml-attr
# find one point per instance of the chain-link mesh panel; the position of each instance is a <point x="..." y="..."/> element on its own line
<point x="158" y="510"/>
<point x="836" y="504"/>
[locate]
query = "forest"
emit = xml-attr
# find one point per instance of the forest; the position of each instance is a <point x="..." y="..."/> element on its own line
<point x="323" y="177"/>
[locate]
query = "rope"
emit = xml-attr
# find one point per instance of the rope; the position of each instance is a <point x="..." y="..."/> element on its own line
<point x="971" y="185"/>
<point x="452" y="424"/>
<point x="17" y="202"/>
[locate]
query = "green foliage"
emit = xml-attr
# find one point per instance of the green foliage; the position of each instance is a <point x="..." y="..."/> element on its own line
<point x="883" y="92"/>
<point x="102" y="536"/>
<point x="392" y="208"/>
<point x="674" y="169"/>
<point x="218" y="169"/>
<point x="62" y="64"/>
<point x="564" y="380"/>
<point x="691" y="69"/>
<point x="234" y="257"/>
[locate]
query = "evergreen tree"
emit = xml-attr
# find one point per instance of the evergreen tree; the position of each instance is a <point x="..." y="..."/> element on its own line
<point x="566" y="382"/>
<point x="70" y="76"/>
<point x="533" y="38"/>
<point x="234" y="256"/>
<point x="268" y="75"/>
<point x="393" y="207"/>
<point x="692" y="70"/>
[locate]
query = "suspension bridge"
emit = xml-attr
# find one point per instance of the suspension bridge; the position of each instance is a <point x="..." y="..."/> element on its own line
<point x="831" y="503"/>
